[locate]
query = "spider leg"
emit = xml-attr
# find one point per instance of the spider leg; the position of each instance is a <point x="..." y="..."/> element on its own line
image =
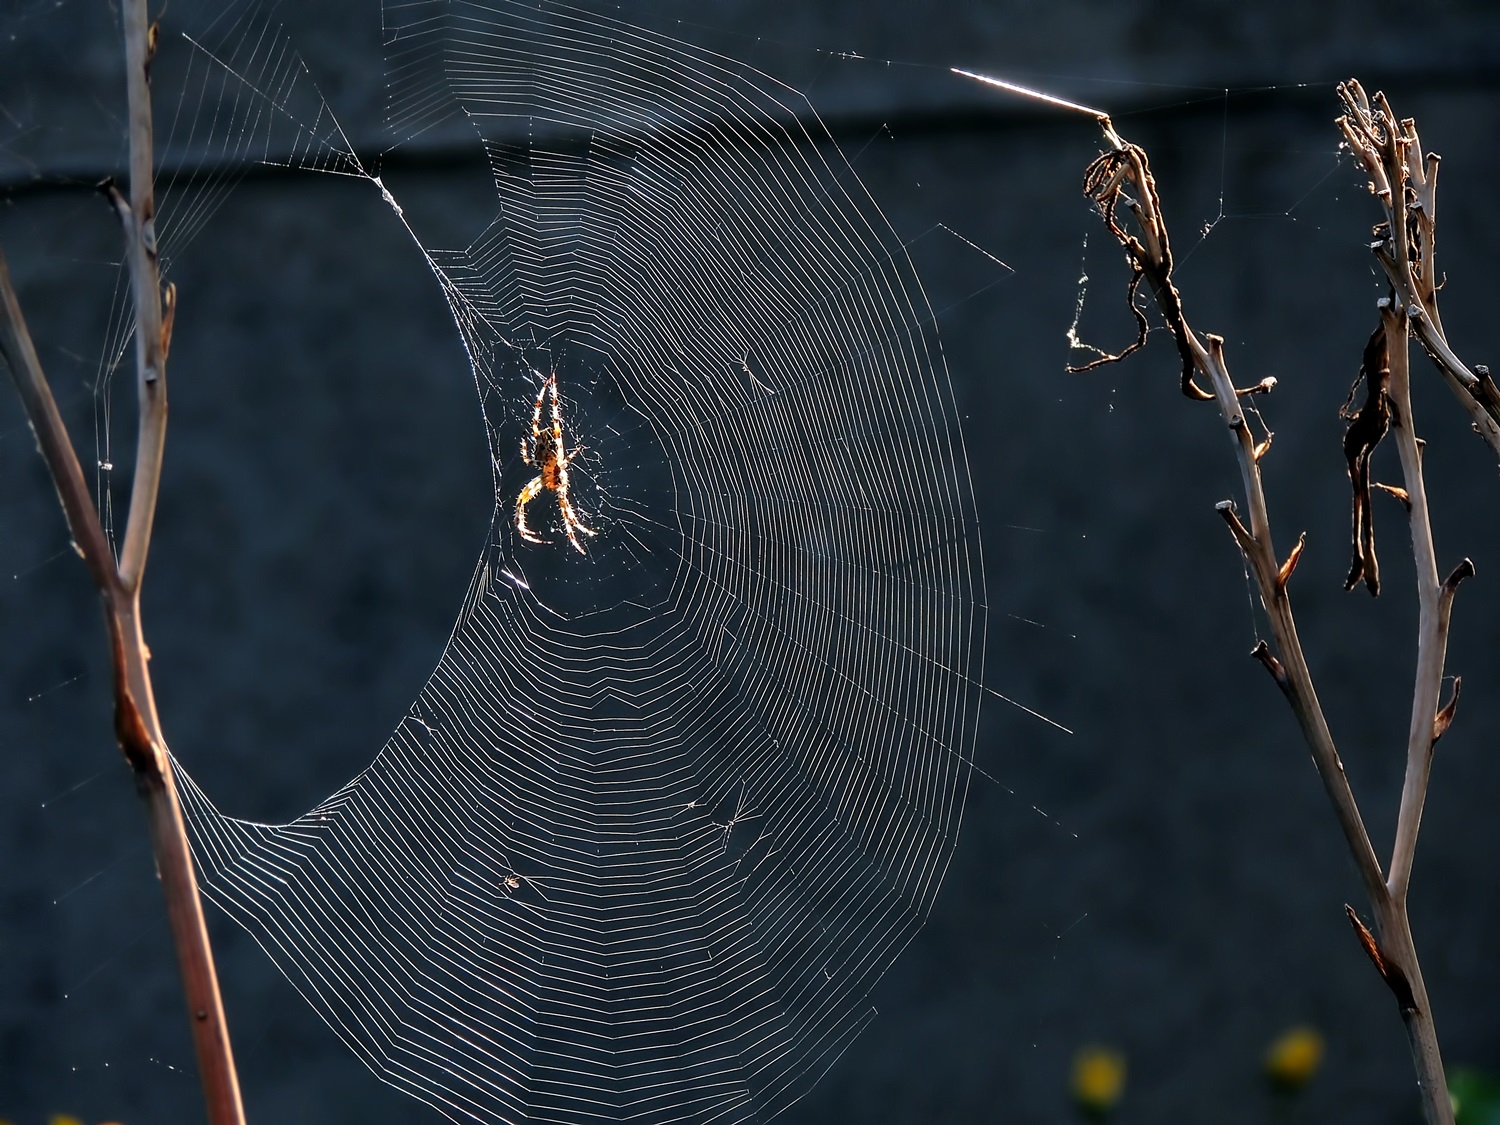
<point x="557" y="430"/>
<point x="573" y="518"/>
<point x="528" y="494"/>
<point x="527" y="448"/>
<point x="564" y="482"/>
<point x="549" y="452"/>
<point x="572" y="524"/>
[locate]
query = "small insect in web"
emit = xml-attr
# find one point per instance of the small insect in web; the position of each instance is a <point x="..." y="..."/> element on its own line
<point x="546" y="451"/>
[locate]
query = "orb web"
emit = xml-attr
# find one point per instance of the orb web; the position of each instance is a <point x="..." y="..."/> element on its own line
<point x="671" y="803"/>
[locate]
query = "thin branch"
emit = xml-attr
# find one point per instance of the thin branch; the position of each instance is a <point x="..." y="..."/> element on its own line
<point x="139" y="222"/>
<point x="1434" y="603"/>
<point x="139" y="733"/>
<point x="135" y="710"/>
<point x="137" y="726"/>
<point x="52" y="437"/>
<point x="1301" y="694"/>
<point x="1149" y="255"/>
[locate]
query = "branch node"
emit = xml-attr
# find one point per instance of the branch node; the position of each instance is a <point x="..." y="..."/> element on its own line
<point x="136" y="743"/>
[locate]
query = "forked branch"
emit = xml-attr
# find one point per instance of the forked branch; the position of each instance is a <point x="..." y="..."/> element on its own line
<point x="1121" y="179"/>
<point x="137" y="726"/>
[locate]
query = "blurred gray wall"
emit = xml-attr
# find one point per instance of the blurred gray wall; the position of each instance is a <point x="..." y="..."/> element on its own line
<point x="1182" y="894"/>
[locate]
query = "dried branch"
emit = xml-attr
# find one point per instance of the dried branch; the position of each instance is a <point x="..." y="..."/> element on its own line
<point x="137" y="726"/>
<point x="1405" y="183"/>
<point x="1121" y="176"/>
<point x="52" y="436"/>
<point x="1434" y="600"/>
<point x="1150" y="256"/>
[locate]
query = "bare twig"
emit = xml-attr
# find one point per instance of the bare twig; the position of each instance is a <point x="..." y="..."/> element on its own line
<point x="139" y="222"/>
<point x="137" y="727"/>
<point x="52" y="436"/>
<point x="1435" y="602"/>
<point x="1121" y="177"/>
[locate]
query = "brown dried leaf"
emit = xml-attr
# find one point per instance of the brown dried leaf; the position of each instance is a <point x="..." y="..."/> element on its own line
<point x="1367" y="427"/>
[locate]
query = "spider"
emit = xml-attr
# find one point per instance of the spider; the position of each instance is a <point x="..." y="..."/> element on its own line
<point x="546" y="452"/>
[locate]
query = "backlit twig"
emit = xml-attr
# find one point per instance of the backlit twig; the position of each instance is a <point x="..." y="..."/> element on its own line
<point x="137" y="727"/>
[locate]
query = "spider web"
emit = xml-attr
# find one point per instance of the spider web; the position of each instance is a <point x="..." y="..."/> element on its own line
<point x="668" y="807"/>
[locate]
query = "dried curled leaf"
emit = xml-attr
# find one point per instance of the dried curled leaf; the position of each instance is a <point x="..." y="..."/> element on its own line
<point x="1150" y="256"/>
<point x="1444" y="718"/>
<point x="1367" y="427"/>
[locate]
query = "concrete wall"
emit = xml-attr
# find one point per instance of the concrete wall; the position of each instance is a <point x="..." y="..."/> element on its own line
<point x="327" y="490"/>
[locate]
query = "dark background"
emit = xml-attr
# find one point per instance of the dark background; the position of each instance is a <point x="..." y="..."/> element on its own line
<point x="326" y="492"/>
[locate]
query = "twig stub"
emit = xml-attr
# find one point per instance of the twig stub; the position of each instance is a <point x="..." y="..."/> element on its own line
<point x="1465" y="569"/>
<point x="1262" y="653"/>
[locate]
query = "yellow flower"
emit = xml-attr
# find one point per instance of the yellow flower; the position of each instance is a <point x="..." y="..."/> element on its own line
<point x="1098" y="1078"/>
<point x="1294" y="1057"/>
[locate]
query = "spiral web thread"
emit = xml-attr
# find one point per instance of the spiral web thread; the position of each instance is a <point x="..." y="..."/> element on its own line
<point x="669" y="806"/>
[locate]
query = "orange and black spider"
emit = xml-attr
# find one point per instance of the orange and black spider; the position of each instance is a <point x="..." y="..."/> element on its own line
<point x="546" y="452"/>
